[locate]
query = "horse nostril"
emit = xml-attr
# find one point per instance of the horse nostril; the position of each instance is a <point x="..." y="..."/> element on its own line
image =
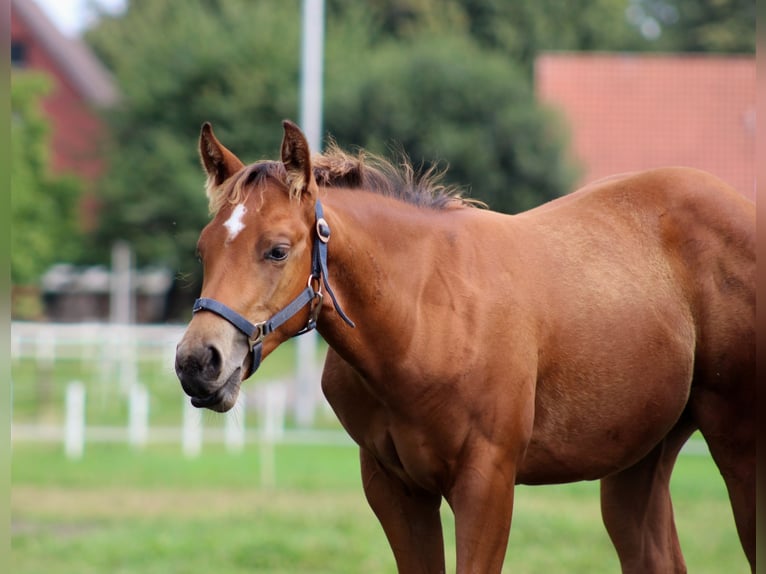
<point x="197" y="367"/>
<point x="212" y="364"/>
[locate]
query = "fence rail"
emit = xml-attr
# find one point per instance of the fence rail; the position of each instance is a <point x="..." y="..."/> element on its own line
<point x="108" y="356"/>
<point x="84" y="340"/>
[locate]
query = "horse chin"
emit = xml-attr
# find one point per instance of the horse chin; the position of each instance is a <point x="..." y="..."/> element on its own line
<point x="224" y="398"/>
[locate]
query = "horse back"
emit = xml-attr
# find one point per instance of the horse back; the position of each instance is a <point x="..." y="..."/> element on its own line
<point x="645" y="289"/>
<point x="704" y="232"/>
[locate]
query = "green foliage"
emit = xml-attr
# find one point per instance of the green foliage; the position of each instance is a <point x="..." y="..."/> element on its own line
<point x="439" y="94"/>
<point x="696" y="25"/>
<point x="524" y="29"/>
<point x="44" y="207"/>
<point x="518" y="30"/>
<point x="446" y="99"/>
<point x="231" y="62"/>
<point x="445" y="80"/>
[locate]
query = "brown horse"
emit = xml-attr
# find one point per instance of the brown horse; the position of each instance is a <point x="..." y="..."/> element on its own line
<point x="471" y="351"/>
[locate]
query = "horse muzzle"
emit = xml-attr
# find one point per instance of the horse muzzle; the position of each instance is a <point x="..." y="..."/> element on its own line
<point x="205" y="378"/>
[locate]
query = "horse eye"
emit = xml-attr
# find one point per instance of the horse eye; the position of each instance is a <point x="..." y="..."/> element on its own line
<point x="277" y="253"/>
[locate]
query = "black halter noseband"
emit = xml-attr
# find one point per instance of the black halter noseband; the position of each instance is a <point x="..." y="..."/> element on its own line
<point x="255" y="332"/>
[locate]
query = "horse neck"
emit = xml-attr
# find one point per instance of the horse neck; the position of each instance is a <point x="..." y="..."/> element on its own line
<point x="377" y="260"/>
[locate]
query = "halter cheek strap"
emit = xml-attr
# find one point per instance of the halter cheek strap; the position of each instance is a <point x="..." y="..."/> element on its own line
<point x="255" y="332"/>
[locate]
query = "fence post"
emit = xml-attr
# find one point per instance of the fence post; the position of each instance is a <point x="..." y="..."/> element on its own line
<point x="191" y="438"/>
<point x="74" y="430"/>
<point x="138" y="416"/>
<point x="273" y="417"/>
<point x="234" y="429"/>
<point x="127" y="361"/>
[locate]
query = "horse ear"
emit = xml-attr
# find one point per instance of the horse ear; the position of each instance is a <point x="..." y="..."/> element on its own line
<point x="219" y="162"/>
<point x="296" y="158"/>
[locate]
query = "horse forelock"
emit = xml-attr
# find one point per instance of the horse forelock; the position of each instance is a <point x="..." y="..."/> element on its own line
<point x="337" y="168"/>
<point x="234" y="189"/>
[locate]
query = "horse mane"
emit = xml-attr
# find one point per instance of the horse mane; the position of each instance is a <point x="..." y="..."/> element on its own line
<point x="366" y="171"/>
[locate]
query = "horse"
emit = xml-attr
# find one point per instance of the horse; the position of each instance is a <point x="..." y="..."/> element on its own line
<point x="470" y="351"/>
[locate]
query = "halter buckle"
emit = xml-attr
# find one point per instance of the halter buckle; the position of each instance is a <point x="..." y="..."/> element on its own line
<point x="315" y="284"/>
<point x="258" y="335"/>
<point x="316" y="307"/>
<point x="323" y="230"/>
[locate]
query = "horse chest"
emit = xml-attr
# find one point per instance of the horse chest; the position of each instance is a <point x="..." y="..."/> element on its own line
<point x="402" y="446"/>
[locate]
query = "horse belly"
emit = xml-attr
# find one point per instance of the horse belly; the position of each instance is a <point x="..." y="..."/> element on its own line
<point x="605" y="412"/>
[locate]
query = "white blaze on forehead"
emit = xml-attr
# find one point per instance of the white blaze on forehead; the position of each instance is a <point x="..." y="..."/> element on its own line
<point x="234" y="223"/>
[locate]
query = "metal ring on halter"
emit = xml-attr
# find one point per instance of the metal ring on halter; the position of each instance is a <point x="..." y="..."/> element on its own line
<point x="316" y="302"/>
<point x="258" y="335"/>
<point x="316" y="306"/>
<point x="315" y="281"/>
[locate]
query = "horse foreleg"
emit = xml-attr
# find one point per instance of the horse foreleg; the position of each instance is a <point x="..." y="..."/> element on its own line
<point x="410" y="519"/>
<point x="638" y="513"/>
<point x="482" y="501"/>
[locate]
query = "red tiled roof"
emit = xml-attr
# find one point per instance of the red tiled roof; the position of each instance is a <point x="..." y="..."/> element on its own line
<point x="634" y="111"/>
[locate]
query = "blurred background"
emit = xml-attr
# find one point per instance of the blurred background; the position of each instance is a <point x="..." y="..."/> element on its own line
<point x="521" y="101"/>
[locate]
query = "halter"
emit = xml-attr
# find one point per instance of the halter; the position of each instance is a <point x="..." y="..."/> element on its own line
<point x="311" y="295"/>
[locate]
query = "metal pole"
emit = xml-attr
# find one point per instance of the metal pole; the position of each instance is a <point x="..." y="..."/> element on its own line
<point x="311" y="72"/>
<point x="311" y="122"/>
<point x="121" y="309"/>
<point x="74" y="427"/>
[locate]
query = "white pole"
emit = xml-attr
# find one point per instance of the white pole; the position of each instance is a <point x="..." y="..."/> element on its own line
<point x="311" y="122"/>
<point x="45" y="348"/>
<point x="311" y="72"/>
<point x="234" y="427"/>
<point x="191" y="439"/>
<point x="121" y="297"/>
<point x="122" y="311"/>
<point x="74" y="429"/>
<point x="273" y="418"/>
<point x="275" y="396"/>
<point x="15" y="346"/>
<point x="138" y="416"/>
<point x="128" y="360"/>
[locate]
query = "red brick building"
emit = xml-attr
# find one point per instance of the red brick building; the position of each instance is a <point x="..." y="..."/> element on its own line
<point x="81" y="86"/>
<point x="634" y="111"/>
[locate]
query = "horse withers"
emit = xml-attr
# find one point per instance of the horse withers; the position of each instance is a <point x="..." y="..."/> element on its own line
<point x="470" y="351"/>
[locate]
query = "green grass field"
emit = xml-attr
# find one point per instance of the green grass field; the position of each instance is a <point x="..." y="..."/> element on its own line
<point x="120" y="511"/>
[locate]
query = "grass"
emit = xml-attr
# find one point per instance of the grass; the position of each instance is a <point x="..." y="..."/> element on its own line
<point x="120" y="511"/>
<point x="124" y="511"/>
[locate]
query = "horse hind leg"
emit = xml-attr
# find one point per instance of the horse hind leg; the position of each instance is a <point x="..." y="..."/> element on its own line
<point x="727" y="422"/>
<point x="638" y="513"/>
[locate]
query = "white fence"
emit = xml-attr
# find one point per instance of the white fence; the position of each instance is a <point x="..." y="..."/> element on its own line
<point x="115" y="350"/>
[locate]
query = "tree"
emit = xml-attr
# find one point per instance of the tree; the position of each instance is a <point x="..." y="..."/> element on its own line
<point x="446" y="99"/>
<point x="518" y="30"/>
<point x="44" y="207"/>
<point x="236" y="63"/>
<point x="232" y="62"/>
<point x="696" y="25"/>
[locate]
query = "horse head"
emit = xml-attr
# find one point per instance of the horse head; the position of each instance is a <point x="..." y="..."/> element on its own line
<point x="257" y="255"/>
